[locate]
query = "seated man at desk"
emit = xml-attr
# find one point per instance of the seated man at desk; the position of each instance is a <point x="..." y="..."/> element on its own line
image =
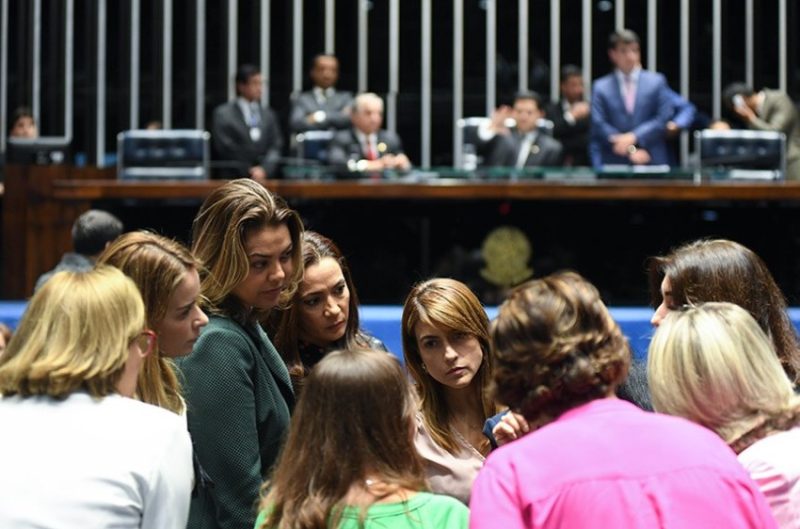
<point x="522" y="145"/>
<point x="365" y="147"/>
<point x="323" y="107"/>
<point x="244" y="132"/>
<point x="570" y="117"/>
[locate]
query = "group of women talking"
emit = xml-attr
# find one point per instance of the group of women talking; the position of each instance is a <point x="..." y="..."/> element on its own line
<point x="231" y="385"/>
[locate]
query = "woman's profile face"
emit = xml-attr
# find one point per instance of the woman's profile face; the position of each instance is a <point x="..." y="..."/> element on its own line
<point x="667" y="303"/>
<point x="450" y="357"/>
<point x="180" y="328"/>
<point x="324" y="303"/>
<point x="269" y="254"/>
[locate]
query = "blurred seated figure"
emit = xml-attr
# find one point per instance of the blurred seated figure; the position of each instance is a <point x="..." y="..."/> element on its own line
<point x="323" y="313"/>
<point x="559" y="356"/>
<point x="23" y="124"/>
<point x="91" y="233"/>
<point x="245" y="133"/>
<point x="78" y="450"/>
<point x="349" y="460"/>
<point x="5" y="337"/>
<point x="713" y="365"/>
<point x="522" y="145"/>
<point x="323" y="107"/>
<point x="366" y="147"/>
<point x="570" y="117"/>
<point x="768" y="110"/>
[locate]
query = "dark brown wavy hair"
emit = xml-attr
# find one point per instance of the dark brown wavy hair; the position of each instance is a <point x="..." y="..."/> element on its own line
<point x="556" y="347"/>
<point x="723" y="270"/>
<point x="355" y="420"/>
<point x="286" y="323"/>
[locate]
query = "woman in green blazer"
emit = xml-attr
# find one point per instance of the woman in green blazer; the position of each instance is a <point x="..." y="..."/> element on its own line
<point x="238" y="392"/>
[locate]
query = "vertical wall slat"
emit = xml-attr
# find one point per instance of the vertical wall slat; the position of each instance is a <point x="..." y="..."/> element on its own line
<point x="652" y="14"/>
<point x="749" y="39"/>
<point x="69" y="56"/>
<point x="394" y="65"/>
<point x="36" y="96"/>
<point x="362" y="45"/>
<point x="200" y="66"/>
<point x="619" y="14"/>
<point x="265" y="36"/>
<point x="491" y="56"/>
<point x="782" y="55"/>
<point x="297" y="49"/>
<point x="458" y="78"/>
<point x="522" y="45"/>
<point x="716" y="51"/>
<point x="3" y="73"/>
<point x="684" y="71"/>
<point x="136" y="26"/>
<point x="166" y="63"/>
<point x="100" y="126"/>
<point x="555" y="47"/>
<point x="586" y="51"/>
<point x="233" y="52"/>
<point x="426" y="36"/>
<point x="330" y="27"/>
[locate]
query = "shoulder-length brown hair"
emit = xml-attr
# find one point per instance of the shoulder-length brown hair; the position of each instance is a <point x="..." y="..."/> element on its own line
<point x="157" y="265"/>
<point x="286" y="338"/>
<point x="358" y="408"/>
<point x="556" y="347"/>
<point x="449" y="305"/>
<point x="229" y="214"/>
<point x="723" y="270"/>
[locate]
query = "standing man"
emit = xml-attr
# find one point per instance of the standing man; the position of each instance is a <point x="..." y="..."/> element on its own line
<point x="522" y="145"/>
<point x="630" y="109"/>
<point x="768" y="110"/>
<point x="365" y="146"/>
<point x="246" y="133"/>
<point x="570" y="117"/>
<point x="323" y="107"/>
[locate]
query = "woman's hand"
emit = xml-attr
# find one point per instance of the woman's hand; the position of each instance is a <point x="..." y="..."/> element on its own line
<point x="512" y="426"/>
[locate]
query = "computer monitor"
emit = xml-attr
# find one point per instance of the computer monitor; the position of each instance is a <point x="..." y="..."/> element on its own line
<point x="38" y="151"/>
<point x="749" y="154"/>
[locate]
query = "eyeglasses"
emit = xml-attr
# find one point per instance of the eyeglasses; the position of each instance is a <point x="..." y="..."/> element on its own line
<point x="146" y="341"/>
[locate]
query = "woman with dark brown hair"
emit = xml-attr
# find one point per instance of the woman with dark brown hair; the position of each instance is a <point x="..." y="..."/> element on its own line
<point x="362" y="470"/>
<point x="323" y="313"/>
<point x="723" y="270"/>
<point x="594" y="459"/>
<point x="238" y="393"/>
<point x="445" y="333"/>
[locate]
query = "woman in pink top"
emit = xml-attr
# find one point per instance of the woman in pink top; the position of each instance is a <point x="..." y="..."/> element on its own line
<point x="594" y="460"/>
<point x="715" y="366"/>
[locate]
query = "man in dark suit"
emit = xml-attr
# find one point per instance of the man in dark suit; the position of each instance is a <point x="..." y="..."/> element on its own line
<point x="768" y="110"/>
<point x="365" y="146"/>
<point x="323" y="107"/>
<point x="245" y="132"/>
<point x="522" y="145"/>
<point x="570" y="117"/>
<point x="630" y="109"/>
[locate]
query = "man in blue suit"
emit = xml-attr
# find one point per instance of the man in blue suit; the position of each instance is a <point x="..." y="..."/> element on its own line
<point x="630" y="109"/>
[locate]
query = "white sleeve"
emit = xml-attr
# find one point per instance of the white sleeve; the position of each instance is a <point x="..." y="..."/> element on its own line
<point x="166" y="503"/>
<point x="485" y="132"/>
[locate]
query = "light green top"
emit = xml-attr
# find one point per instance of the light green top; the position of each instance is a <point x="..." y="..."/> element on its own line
<point x="422" y="511"/>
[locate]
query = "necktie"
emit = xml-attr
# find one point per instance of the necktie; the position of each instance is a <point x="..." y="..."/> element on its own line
<point x="255" y="115"/>
<point x="370" y="152"/>
<point x="630" y="94"/>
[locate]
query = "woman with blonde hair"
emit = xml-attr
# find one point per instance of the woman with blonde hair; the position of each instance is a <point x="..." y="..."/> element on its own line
<point x="237" y="388"/>
<point x="445" y="333"/>
<point x="713" y="365"/>
<point x="323" y="313"/>
<point x="595" y="459"/>
<point x="76" y="452"/>
<point x="167" y="275"/>
<point x="362" y="470"/>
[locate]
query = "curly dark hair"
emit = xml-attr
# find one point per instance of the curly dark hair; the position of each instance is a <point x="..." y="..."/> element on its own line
<point x="556" y="347"/>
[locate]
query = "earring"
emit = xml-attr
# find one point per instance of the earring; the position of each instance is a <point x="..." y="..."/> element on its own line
<point x="424" y="368"/>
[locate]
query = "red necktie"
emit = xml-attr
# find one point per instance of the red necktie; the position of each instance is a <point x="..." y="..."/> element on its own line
<point x="370" y="151"/>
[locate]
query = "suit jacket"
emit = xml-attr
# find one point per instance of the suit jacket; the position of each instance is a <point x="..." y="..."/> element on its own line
<point x="503" y="151"/>
<point x="335" y="117"/>
<point x="345" y="147"/>
<point x="230" y="136"/>
<point x="779" y="113"/>
<point x="238" y="399"/>
<point x="573" y="136"/>
<point x="652" y="109"/>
